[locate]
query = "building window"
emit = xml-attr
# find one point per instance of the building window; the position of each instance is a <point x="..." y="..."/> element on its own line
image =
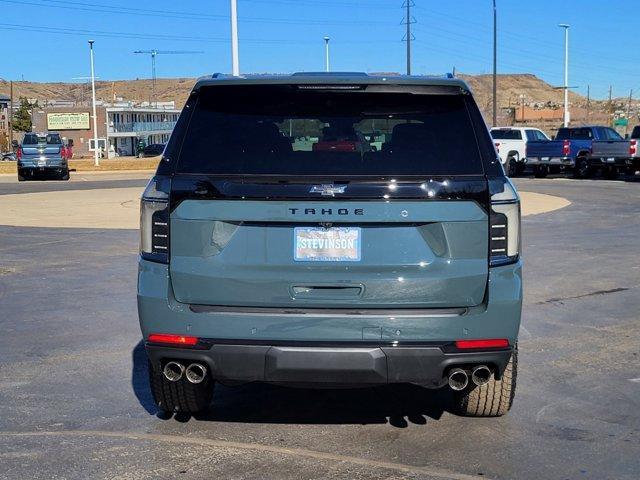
<point x="102" y="143"/>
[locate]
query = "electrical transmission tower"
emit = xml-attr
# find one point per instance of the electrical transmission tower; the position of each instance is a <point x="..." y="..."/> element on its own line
<point x="408" y="20"/>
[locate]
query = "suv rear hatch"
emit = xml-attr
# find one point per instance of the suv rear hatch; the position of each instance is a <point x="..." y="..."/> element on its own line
<point x="261" y="218"/>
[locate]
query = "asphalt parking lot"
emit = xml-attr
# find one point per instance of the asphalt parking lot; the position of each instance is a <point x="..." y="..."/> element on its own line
<point x="75" y="400"/>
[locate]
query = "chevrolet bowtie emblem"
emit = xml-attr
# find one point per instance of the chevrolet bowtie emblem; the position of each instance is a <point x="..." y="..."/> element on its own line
<point x="328" y="190"/>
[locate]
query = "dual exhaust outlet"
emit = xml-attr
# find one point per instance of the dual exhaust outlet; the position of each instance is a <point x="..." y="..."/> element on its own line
<point x="459" y="378"/>
<point x="194" y="373"/>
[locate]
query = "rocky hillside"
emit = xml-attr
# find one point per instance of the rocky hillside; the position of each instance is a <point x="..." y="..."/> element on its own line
<point x="510" y="87"/>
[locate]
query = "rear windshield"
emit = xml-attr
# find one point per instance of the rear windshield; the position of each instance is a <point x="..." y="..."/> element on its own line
<point x="574" y="134"/>
<point x="506" y="134"/>
<point x="636" y="132"/>
<point x="284" y="130"/>
<point x="49" y="139"/>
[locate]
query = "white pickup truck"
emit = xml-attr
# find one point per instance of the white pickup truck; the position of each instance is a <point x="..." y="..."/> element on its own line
<point x="511" y="144"/>
<point x="634" y="149"/>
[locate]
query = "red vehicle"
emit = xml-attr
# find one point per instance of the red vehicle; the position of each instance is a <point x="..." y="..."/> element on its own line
<point x="342" y="139"/>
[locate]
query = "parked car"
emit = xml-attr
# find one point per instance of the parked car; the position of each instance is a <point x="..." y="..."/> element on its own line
<point x="511" y="143"/>
<point x="153" y="150"/>
<point x="582" y="150"/>
<point x="634" y="149"/>
<point x="260" y="262"/>
<point x="42" y="154"/>
<point x="9" y="157"/>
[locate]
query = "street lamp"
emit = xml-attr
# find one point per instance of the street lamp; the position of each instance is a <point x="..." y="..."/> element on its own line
<point x="235" y="62"/>
<point x="326" y="54"/>
<point x="96" y="158"/>
<point x="495" y="64"/>
<point x="566" y="73"/>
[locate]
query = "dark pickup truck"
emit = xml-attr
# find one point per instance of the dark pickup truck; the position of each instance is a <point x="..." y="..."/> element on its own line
<point x="582" y="150"/>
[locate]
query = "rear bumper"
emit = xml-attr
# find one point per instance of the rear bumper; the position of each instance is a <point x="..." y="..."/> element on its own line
<point x="331" y="365"/>
<point x="295" y="346"/>
<point x="620" y="162"/>
<point x="554" y="161"/>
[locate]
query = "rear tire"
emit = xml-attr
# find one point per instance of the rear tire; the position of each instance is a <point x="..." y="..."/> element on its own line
<point x="181" y="396"/>
<point x="493" y="399"/>
<point x="512" y="167"/>
<point x="64" y="175"/>
<point x="21" y="178"/>
<point x="581" y="169"/>
<point x="541" y="171"/>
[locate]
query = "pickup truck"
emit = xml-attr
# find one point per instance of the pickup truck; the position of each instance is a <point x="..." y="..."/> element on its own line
<point x="634" y="148"/>
<point x="511" y="144"/>
<point x="583" y="150"/>
<point x="42" y="154"/>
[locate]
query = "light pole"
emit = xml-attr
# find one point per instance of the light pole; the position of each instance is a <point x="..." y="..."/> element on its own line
<point x="326" y="54"/>
<point x="566" y="73"/>
<point x="96" y="157"/>
<point x="235" y="61"/>
<point x="495" y="64"/>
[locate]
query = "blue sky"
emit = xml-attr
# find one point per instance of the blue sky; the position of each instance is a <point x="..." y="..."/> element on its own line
<point x="286" y="35"/>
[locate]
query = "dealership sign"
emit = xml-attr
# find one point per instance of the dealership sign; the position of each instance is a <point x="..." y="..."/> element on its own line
<point x="68" y="121"/>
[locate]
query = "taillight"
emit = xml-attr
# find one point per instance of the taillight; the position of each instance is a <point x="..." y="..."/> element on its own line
<point x="19" y="153"/>
<point x="154" y="220"/>
<point x="504" y="222"/>
<point x="566" y="148"/>
<point x="482" y="343"/>
<point x="497" y="147"/>
<point x="633" y="147"/>
<point x="170" y="339"/>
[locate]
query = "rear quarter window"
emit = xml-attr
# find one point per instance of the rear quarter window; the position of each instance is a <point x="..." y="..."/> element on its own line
<point x="506" y="134"/>
<point x="287" y="130"/>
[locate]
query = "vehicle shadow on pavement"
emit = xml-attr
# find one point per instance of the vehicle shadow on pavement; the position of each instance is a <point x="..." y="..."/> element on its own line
<point x="398" y="405"/>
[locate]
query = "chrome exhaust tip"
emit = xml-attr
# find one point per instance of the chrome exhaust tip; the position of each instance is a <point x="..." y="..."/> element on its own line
<point x="196" y="373"/>
<point x="481" y="375"/>
<point x="173" y="371"/>
<point x="458" y="379"/>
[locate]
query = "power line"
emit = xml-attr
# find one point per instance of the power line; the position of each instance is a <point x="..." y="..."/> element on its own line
<point x="103" y="8"/>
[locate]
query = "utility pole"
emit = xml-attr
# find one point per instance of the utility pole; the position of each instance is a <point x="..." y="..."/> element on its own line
<point x="10" y="123"/>
<point x="495" y="64"/>
<point x="96" y="156"/>
<point x="326" y="54"/>
<point x="408" y="37"/>
<point x="566" y="73"/>
<point x="610" y="106"/>
<point x="235" y="62"/>
<point x="626" y="127"/>
<point x="522" y="97"/>
<point x="588" y="102"/>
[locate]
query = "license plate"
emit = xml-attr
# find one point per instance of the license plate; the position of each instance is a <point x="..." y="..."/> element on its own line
<point x="42" y="162"/>
<point x="545" y="159"/>
<point x="611" y="159"/>
<point x="336" y="244"/>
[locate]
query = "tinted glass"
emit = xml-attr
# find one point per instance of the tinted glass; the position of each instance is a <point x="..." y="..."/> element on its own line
<point x="636" y="132"/>
<point x="613" y="135"/>
<point x="506" y="134"/>
<point x="285" y="130"/>
<point x="574" y="134"/>
<point x="54" y="139"/>
<point x="540" y="135"/>
<point x="30" y="139"/>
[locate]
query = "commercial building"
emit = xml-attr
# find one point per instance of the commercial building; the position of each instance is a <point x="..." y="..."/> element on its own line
<point x="119" y="128"/>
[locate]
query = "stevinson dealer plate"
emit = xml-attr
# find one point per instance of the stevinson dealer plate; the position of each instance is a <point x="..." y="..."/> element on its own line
<point x="336" y="244"/>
